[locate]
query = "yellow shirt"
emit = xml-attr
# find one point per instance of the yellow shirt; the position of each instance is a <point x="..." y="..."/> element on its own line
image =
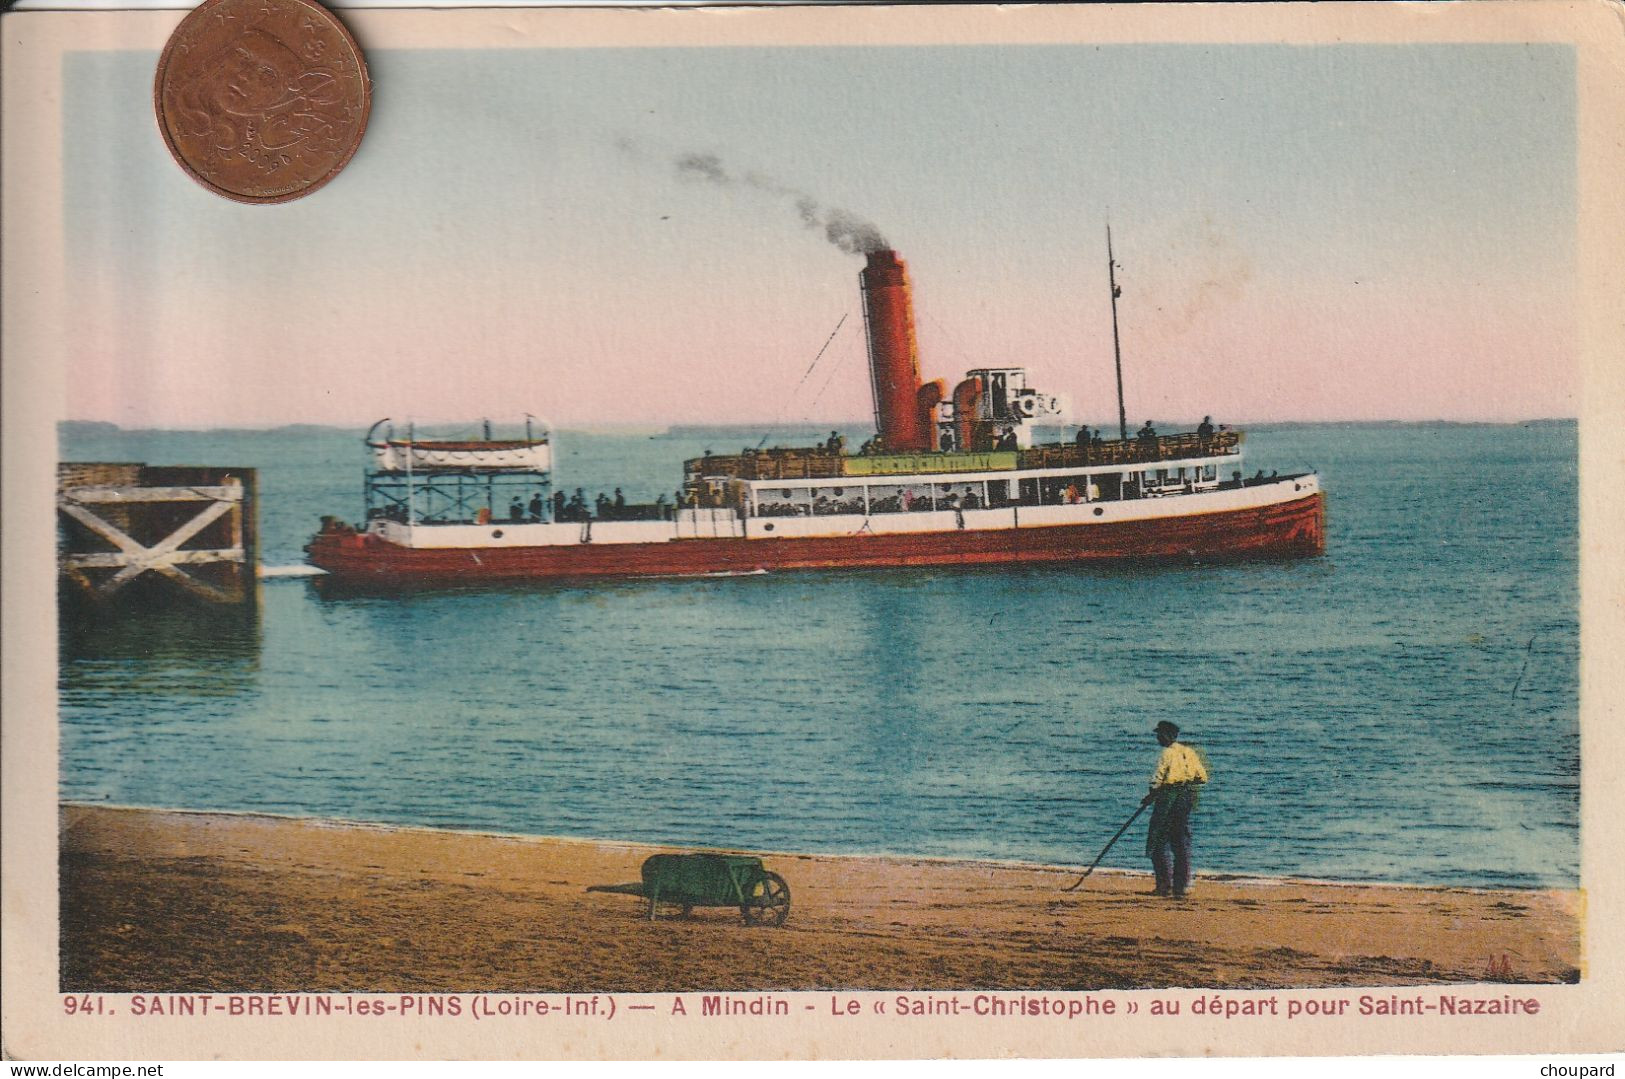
<point x="1179" y="763"/>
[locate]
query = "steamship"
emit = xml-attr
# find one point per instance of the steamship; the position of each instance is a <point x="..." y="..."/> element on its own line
<point x="951" y="479"/>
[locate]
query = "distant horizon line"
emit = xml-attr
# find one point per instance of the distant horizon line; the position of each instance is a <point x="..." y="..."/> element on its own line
<point x="655" y="427"/>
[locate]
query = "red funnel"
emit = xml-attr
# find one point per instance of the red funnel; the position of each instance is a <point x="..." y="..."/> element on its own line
<point x="894" y="362"/>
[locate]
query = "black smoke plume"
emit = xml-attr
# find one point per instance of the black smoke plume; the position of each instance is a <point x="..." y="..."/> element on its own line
<point x="844" y="229"/>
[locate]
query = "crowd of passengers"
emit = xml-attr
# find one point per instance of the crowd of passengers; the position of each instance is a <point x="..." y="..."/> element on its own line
<point x="913" y="502"/>
<point x="609" y="508"/>
<point x="1048" y="494"/>
<point x="564" y="509"/>
<point x="616" y="508"/>
<point x="1145" y="438"/>
<point x="1090" y="441"/>
<point x="575" y="507"/>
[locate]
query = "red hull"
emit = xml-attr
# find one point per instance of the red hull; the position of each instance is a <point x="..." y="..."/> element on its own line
<point x="1288" y="529"/>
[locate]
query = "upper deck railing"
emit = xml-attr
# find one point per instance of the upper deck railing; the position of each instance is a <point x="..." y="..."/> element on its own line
<point x="1131" y="451"/>
<point x="818" y="463"/>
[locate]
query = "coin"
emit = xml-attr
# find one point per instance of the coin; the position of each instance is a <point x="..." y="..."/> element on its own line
<point x="262" y="100"/>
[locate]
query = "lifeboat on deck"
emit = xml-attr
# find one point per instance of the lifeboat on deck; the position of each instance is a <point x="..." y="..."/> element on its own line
<point x="533" y="453"/>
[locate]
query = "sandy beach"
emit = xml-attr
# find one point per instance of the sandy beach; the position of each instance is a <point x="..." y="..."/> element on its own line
<point x="163" y="901"/>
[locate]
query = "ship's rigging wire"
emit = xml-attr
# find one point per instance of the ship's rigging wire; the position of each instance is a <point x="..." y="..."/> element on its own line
<point x="833" y="371"/>
<point x="804" y="376"/>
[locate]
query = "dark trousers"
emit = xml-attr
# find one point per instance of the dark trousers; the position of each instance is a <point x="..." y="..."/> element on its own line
<point x="1168" y="839"/>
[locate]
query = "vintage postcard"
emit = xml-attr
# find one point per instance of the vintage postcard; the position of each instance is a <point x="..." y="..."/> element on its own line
<point x="818" y="532"/>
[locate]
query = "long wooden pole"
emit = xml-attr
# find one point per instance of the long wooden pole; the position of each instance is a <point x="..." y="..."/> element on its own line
<point x="1117" y="349"/>
<point x="1073" y="886"/>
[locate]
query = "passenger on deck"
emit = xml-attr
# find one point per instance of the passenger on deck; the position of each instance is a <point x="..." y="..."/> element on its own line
<point x="558" y="505"/>
<point x="536" y="506"/>
<point x="1204" y="430"/>
<point x="516" y="509"/>
<point x="1083" y="437"/>
<point x="1146" y="440"/>
<point x="972" y="502"/>
<point x="946" y="442"/>
<point x="620" y="503"/>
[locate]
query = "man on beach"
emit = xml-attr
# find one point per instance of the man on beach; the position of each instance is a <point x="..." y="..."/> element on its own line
<point x="1174" y="785"/>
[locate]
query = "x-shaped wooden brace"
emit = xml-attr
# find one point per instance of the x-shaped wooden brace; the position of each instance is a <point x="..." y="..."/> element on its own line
<point x="134" y="558"/>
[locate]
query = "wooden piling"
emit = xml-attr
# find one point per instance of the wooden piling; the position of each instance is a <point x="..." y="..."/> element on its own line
<point x="187" y="530"/>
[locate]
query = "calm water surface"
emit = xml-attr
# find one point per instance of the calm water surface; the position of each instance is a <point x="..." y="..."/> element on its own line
<point x="1403" y="709"/>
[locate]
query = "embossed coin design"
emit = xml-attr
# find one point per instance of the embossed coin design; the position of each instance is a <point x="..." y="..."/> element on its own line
<point x="262" y="100"/>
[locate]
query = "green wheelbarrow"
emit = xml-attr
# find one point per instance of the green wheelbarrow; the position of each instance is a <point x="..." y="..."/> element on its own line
<point x="710" y="880"/>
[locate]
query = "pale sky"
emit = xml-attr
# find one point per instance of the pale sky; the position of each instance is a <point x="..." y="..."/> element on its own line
<point x="1305" y="233"/>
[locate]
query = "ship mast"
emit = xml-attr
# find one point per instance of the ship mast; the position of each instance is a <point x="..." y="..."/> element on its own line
<point x="1117" y="348"/>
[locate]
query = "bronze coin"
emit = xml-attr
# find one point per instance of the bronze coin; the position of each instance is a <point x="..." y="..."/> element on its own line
<point x="262" y="100"/>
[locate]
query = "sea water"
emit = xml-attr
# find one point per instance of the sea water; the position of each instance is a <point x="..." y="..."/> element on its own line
<point x="1403" y="709"/>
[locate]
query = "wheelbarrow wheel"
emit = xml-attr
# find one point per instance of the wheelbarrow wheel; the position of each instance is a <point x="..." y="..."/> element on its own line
<point x="767" y="901"/>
